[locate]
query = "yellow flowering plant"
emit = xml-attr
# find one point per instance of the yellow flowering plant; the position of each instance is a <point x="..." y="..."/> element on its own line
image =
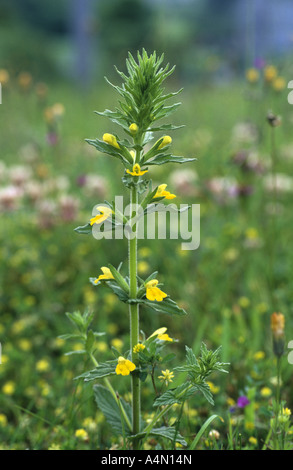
<point x="142" y="105"/>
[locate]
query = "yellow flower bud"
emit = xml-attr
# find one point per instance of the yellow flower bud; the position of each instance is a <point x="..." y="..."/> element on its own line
<point x="111" y="140"/>
<point x="133" y="128"/>
<point x="166" y="141"/>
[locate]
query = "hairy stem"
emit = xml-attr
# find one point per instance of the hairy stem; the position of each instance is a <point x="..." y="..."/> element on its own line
<point x="134" y="322"/>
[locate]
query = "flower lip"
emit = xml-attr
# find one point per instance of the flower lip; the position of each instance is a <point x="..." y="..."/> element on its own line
<point x="105" y="212"/>
<point x="124" y="366"/>
<point x="161" y="192"/>
<point x="106" y="276"/>
<point x="136" y="171"/>
<point x="153" y="292"/>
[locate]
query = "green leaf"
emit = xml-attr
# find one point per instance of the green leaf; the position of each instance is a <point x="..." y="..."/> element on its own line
<point x="119" y="278"/>
<point x="162" y="158"/>
<point x="110" y="150"/>
<point x="121" y="294"/>
<point x="70" y="336"/>
<point x="167" y="306"/>
<point x="165" y="127"/>
<point x="175" y="396"/>
<point x="102" y="370"/>
<point x="169" y="433"/>
<point x="165" y="432"/>
<point x="201" y="431"/>
<point x="109" y="407"/>
<point x="84" y="229"/>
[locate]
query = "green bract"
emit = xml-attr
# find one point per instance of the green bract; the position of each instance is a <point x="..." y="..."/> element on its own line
<point x="142" y="103"/>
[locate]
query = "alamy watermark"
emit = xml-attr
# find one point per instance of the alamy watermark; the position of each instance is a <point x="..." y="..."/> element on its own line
<point x="290" y="95"/>
<point x="155" y="221"/>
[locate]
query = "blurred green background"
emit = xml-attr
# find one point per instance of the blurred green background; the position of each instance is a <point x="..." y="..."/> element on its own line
<point x="53" y="59"/>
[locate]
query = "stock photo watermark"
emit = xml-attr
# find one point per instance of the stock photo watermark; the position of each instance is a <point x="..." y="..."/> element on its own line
<point x="290" y="95"/>
<point x="156" y="221"/>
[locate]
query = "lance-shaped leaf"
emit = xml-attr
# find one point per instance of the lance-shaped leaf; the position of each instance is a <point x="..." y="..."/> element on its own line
<point x="104" y="369"/>
<point x="122" y="154"/>
<point x="166" y="306"/>
<point x="84" y="229"/>
<point x="162" y="158"/>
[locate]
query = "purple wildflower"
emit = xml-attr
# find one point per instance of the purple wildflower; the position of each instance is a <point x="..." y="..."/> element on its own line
<point x="242" y="401"/>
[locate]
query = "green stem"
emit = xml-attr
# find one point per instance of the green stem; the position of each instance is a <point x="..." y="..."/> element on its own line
<point x="134" y="322"/>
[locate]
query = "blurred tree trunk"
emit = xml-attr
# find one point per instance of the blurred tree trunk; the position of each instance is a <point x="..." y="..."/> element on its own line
<point x="82" y="21"/>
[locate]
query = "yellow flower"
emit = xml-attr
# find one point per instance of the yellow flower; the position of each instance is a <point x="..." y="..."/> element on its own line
<point x="165" y="337"/>
<point x="160" y="331"/>
<point x="4" y="76"/>
<point x="143" y="267"/>
<point x="279" y="84"/>
<point x="153" y="292"/>
<point x="252" y="440"/>
<point x="42" y="365"/>
<point x="136" y="171"/>
<point x="81" y="434"/>
<point x="25" y="344"/>
<point x="111" y="140"/>
<point x="214" y="388"/>
<point x="252" y="75"/>
<point x="259" y="355"/>
<point x="117" y="343"/>
<point x="286" y="412"/>
<point x="166" y="141"/>
<point x="8" y="388"/>
<point x="58" y="109"/>
<point x="166" y="376"/>
<point x="133" y="128"/>
<point x="105" y="212"/>
<point x="107" y="275"/>
<point x="3" y="420"/>
<point x="90" y="424"/>
<point x="162" y="193"/>
<point x="138" y="347"/>
<point x="249" y="425"/>
<point x="266" y="392"/>
<point x="124" y="366"/>
<point x="270" y="72"/>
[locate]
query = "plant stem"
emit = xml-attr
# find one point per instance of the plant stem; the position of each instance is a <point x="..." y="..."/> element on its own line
<point x="134" y="321"/>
